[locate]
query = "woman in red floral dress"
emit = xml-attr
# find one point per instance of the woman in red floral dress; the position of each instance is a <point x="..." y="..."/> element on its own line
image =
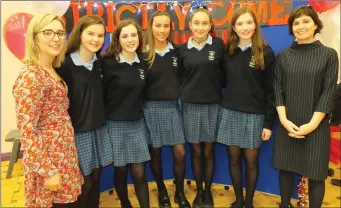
<point x="52" y="174"/>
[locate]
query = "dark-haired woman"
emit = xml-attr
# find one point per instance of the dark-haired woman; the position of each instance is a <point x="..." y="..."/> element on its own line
<point x="304" y="84"/>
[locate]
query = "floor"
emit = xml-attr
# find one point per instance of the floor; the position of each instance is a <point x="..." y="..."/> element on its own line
<point x="12" y="192"/>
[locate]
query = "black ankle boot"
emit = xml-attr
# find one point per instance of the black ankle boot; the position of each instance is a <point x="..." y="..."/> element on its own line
<point x="286" y="206"/>
<point x="336" y="182"/>
<point x="208" y="199"/>
<point x="249" y="206"/>
<point x="199" y="199"/>
<point x="238" y="204"/>
<point x="126" y="205"/>
<point x="163" y="199"/>
<point x="181" y="200"/>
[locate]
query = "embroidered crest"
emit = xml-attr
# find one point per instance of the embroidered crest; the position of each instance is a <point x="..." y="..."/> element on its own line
<point x="252" y="63"/>
<point x="101" y="73"/>
<point x="175" y="61"/>
<point x="141" y="73"/>
<point x="211" y="55"/>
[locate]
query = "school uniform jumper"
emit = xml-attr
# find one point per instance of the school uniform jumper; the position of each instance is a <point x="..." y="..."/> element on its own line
<point x="248" y="101"/>
<point x="202" y="77"/>
<point x="124" y="83"/>
<point x="161" y="94"/>
<point x="86" y="110"/>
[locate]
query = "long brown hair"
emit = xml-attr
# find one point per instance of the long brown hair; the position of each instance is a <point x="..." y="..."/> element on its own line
<point x="258" y="42"/>
<point x="74" y="40"/>
<point x="115" y="48"/>
<point x="151" y="42"/>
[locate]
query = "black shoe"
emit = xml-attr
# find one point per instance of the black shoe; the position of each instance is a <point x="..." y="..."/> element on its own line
<point x="249" y="206"/>
<point x="330" y="172"/>
<point x="336" y="182"/>
<point x="286" y="206"/>
<point x="181" y="200"/>
<point x="238" y="204"/>
<point x="199" y="200"/>
<point x="128" y="205"/>
<point x="163" y="198"/>
<point x="208" y="199"/>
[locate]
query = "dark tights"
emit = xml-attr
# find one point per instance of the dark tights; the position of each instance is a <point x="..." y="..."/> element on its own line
<point x="137" y="171"/>
<point x="203" y="163"/>
<point x="178" y="167"/>
<point x="235" y="155"/>
<point x="286" y="184"/>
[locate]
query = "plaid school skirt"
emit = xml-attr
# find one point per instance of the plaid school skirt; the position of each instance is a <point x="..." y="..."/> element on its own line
<point x="129" y="142"/>
<point x="240" y="129"/>
<point x="164" y="122"/>
<point x="93" y="149"/>
<point x="200" y="122"/>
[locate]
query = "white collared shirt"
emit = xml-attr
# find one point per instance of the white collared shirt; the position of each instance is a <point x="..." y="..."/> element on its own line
<point x="166" y="50"/>
<point x="245" y="47"/>
<point x="191" y="45"/>
<point x="122" y="59"/>
<point x="78" y="61"/>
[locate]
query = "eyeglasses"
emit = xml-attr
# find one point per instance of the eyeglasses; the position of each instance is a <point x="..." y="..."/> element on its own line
<point x="49" y="34"/>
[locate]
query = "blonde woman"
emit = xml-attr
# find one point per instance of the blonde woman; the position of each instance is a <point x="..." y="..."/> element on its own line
<point x="52" y="175"/>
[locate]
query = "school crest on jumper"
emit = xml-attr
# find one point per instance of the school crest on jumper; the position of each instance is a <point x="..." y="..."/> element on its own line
<point x="175" y="61"/>
<point x="252" y="63"/>
<point x="141" y="73"/>
<point x="211" y="55"/>
<point x="101" y="72"/>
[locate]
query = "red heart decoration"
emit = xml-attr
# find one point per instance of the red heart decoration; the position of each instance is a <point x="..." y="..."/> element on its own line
<point x="322" y="6"/>
<point x="15" y="30"/>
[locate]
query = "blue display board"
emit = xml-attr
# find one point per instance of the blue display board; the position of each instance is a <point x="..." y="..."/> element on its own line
<point x="278" y="38"/>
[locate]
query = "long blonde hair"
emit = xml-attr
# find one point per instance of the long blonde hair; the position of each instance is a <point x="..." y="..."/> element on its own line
<point x="258" y="42"/>
<point x="32" y="51"/>
<point x="151" y="42"/>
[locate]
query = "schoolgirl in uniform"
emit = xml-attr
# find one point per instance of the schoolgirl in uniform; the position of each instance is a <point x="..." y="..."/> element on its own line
<point x="203" y="65"/>
<point x="161" y="108"/>
<point x="124" y="74"/>
<point x="248" y="111"/>
<point x="82" y="73"/>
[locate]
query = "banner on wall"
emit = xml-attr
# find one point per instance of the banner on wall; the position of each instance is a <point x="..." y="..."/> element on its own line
<point x="268" y="13"/>
<point x="112" y="12"/>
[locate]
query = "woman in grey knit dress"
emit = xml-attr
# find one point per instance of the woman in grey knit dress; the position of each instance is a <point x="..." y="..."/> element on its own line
<point x="304" y="83"/>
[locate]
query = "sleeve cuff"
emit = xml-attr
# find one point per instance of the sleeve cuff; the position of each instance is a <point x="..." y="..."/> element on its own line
<point x="268" y="125"/>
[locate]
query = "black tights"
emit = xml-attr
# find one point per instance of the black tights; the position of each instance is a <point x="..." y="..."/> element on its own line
<point x="235" y="155"/>
<point x="90" y="195"/>
<point x="137" y="171"/>
<point x="286" y="184"/>
<point x="69" y="205"/>
<point x="203" y="155"/>
<point x="178" y="167"/>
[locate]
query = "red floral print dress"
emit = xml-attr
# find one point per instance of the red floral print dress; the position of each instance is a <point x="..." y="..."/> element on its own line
<point x="47" y="136"/>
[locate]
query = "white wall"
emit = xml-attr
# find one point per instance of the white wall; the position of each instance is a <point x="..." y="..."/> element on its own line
<point x="10" y="67"/>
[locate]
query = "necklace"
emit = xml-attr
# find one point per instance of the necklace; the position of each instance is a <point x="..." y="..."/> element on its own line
<point x="199" y="42"/>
